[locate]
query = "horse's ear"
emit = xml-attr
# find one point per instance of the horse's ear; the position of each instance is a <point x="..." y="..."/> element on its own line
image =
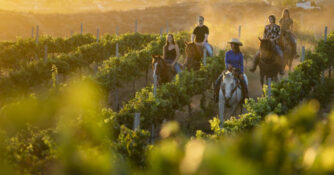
<point x="155" y="56"/>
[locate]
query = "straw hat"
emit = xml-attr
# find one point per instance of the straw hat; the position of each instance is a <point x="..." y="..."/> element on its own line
<point x="235" y="41"/>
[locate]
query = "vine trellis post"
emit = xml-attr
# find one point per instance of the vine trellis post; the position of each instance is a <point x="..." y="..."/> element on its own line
<point x="97" y="35"/>
<point x="221" y="105"/>
<point x="32" y="32"/>
<point x="45" y="53"/>
<point x="136" y="122"/>
<point x="303" y="54"/>
<point x="136" y="26"/>
<point x="325" y="39"/>
<point x="155" y="84"/>
<point x="269" y="88"/>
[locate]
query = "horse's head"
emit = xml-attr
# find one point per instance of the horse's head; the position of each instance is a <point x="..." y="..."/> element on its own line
<point x="193" y="55"/>
<point x="192" y="50"/>
<point x="228" y="84"/>
<point x="267" y="48"/>
<point x="162" y="71"/>
<point x="157" y="64"/>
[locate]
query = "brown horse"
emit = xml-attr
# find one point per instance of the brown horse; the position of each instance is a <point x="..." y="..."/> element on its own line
<point x="194" y="54"/>
<point x="269" y="61"/>
<point x="287" y="49"/>
<point x="164" y="71"/>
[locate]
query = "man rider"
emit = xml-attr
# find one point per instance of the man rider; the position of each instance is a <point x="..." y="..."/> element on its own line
<point x="201" y="34"/>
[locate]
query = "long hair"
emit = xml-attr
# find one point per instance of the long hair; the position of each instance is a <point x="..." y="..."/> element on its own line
<point x="167" y="43"/>
<point x="283" y="13"/>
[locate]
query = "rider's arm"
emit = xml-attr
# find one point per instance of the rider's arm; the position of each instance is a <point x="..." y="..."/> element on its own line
<point x="205" y="38"/>
<point x="278" y="33"/>
<point x="163" y="52"/>
<point x="192" y="38"/>
<point x="177" y="49"/>
<point x="193" y="35"/>
<point x="265" y="33"/>
<point x="226" y="61"/>
<point x="242" y="63"/>
<point x="291" y="26"/>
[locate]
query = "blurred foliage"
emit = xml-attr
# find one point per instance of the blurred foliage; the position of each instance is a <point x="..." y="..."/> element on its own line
<point x="38" y="72"/>
<point x="67" y="130"/>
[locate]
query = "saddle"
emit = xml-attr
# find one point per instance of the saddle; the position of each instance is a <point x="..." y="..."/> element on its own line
<point x="236" y="73"/>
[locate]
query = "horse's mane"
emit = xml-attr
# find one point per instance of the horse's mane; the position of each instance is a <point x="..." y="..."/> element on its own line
<point x="266" y="44"/>
<point x="195" y="52"/>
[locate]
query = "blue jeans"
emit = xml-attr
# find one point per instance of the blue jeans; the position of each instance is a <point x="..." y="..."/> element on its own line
<point x="279" y="52"/>
<point x="177" y="66"/>
<point x="208" y="48"/>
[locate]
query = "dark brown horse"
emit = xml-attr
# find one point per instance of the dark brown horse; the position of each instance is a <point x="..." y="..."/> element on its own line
<point x="287" y="49"/>
<point x="194" y="55"/>
<point x="162" y="70"/>
<point x="269" y="61"/>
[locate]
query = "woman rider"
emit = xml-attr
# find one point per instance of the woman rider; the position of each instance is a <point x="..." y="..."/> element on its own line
<point x="272" y="32"/>
<point x="234" y="59"/>
<point x="171" y="53"/>
<point x="286" y="24"/>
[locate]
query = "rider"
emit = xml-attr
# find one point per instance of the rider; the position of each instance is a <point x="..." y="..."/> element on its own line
<point x="234" y="59"/>
<point x="171" y="53"/>
<point x="272" y="31"/>
<point x="286" y="26"/>
<point x="201" y="34"/>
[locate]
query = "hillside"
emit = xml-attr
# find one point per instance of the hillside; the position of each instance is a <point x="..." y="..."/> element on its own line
<point x="223" y="18"/>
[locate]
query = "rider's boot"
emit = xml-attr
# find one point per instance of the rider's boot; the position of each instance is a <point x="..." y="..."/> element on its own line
<point x="244" y="88"/>
<point x="256" y="61"/>
<point x="294" y="48"/>
<point x="280" y="55"/>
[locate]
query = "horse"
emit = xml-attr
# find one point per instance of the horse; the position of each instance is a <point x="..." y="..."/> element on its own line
<point x="162" y="70"/>
<point x="230" y="96"/>
<point x="269" y="61"/>
<point x="194" y="55"/>
<point x="287" y="49"/>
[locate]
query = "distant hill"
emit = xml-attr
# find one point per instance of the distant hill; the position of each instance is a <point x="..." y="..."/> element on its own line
<point x="222" y="17"/>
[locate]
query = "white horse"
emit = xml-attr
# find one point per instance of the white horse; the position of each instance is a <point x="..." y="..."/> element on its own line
<point x="230" y="96"/>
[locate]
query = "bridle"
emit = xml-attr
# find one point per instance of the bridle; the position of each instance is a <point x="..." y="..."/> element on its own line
<point x="232" y="92"/>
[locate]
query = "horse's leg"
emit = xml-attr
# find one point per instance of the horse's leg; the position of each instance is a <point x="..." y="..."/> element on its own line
<point x="221" y="106"/>
<point x="290" y="64"/>
<point x="261" y="78"/>
<point x="189" y="110"/>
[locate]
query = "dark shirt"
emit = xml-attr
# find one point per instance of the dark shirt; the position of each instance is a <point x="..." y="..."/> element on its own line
<point x="236" y="60"/>
<point x="170" y="55"/>
<point x="200" y="32"/>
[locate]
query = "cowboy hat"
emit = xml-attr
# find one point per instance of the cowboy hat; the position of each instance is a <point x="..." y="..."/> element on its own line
<point x="235" y="41"/>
